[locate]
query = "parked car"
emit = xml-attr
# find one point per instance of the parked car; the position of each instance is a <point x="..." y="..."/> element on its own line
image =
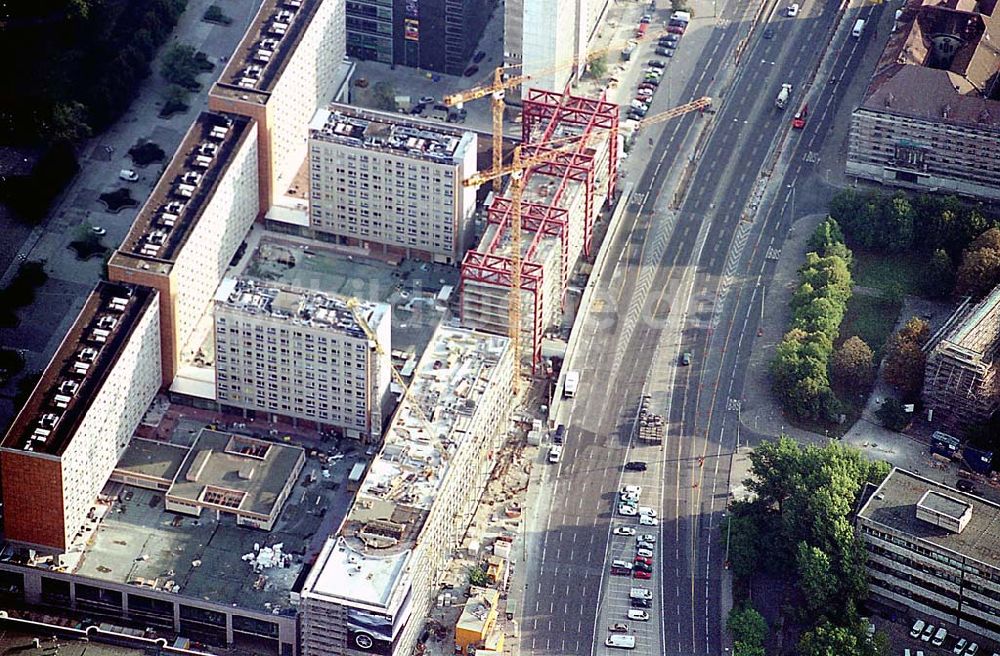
<point x="939" y="637"/>
<point x="965" y="486"/>
<point x="627" y="510"/>
<point x="624" y="530"/>
<point x="648" y="546"/>
<point x="663" y="52"/>
<point x="928" y="632"/>
<point x="636" y="614"/>
<point x="98" y="230"/>
<point x="769" y="33"/>
<point x="646" y="18"/>
<point x="646" y="520"/>
<point x="676" y="29"/>
<point x="647" y="537"/>
<point x="641" y="558"/>
<point x="635" y="465"/>
<point x="960" y="645"/>
<point x="918" y="628"/>
<point x="478" y="57"/>
<point x="128" y="175"/>
<point x="644" y="553"/>
<point x="470" y="71"/>
<point x="793" y="10"/>
<point x="618" y="627"/>
<point x="656" y="63"/>
<point x="972" y="650"/>
<point x="641" y="603"/>
<point x="686" y="359"/>
<point x="641" y="574"/>
<point x="643" y="567"/>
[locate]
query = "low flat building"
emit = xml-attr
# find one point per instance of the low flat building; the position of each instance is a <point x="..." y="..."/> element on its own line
<point x="288" y="352"/>
<point x="477" y="623"/>
<point x="930" y="118"/>
<point x="372" y="584"/>
<point x="933" y="550"/>
<point x="191" y="226"/>
<point x="65" y="442"/>
<point x="391" y="183"/>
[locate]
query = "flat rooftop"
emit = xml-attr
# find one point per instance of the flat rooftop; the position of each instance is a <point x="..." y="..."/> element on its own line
<point x="235" y="472"/>
<point x="177" y="201"/>
<point x="503" y="240"/>
<point x="395" y="133"/>
<point x="894" y="505"/>
<point x="404" y="478"/>
<point x="76" y="372"/>
<point x="267" y="46"/>
<point x="299" y="306"/>
<point x="152" y="460"/>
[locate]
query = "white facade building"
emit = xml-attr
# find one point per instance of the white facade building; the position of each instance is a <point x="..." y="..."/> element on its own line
<point x="301" y="354"/>
<point x="66" y="441"/>
<point x="372" y="584"/>
<point x="191" y="226"/>
<point x="378" y="179"/>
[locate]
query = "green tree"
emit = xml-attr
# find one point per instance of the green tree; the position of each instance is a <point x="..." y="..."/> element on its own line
<point x="852" y="366"/>
<point x="477" y="577"/>
<point x="894" y="224"/>
<point x="598" y="66"/>
<point x="743" y="533"/>
<point x="776" y="471"/>
<point x="904" y="367"/>
<point x="915" y="330"/>
<point x="180" y="66"/>
<point x="68" y="123"/>
<point x="384" y="96"/>
<point x="747" y="626"/>
<point x="892" y="415"/>
<point x="940" y="276"/>
<point x="829" y="640"/>
<point x="816" y="577"/>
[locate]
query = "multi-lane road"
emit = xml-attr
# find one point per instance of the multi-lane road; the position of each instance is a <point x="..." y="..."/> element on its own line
<point x="690" y="280"/>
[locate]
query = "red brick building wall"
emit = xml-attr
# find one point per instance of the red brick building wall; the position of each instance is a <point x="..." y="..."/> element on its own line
<point x="33" y="500"/>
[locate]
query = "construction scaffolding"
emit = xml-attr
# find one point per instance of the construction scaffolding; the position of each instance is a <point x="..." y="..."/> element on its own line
<point x="559" y="207"/>
<point x="960" y="381"/>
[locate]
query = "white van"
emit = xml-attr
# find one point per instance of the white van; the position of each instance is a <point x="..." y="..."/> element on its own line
<point x="681" y="17"/>
<point x="620" y="641"/>
<point x="128" y="174"/>
<point x="859" y="27"/>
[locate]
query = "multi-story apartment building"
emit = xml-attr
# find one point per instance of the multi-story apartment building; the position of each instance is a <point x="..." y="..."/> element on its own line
<point x="289" y="63"/>
<point x="302" y="355"/>
<point x="552" y="58"/>
<point x="191" y="226"/>
<point x="65" y="442"/>
<point x="931" y="549"/>
<point x="930" y="118"/>
<point x="372" y="584"/>
<point x="435" y="35"/>
<point x="383" y="180"/>
<point x="960" y="377"/>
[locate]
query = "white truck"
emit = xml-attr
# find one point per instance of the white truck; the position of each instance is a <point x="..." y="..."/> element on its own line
<point x="782" y="100"/>
<point x="620" y="641"/>
<point x="571" y="383"/>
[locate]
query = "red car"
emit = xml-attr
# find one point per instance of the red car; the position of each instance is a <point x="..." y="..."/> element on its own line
<point x="676" y="29"/>
<point x="639" y="574"/>
<point x="799" y="120"/>
<point x="644" y="559"/>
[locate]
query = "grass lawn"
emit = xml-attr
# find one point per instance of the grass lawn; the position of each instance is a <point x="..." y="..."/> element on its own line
<point x="871" y="318"/>
<point x="895" y="275"/>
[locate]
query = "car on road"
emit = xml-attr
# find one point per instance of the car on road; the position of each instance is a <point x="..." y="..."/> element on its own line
<point x="769" y="33"/>
<point x="128" y="175"/>
<point x="98" y="230"/>
<point x="627" y="510"/>
<point x="793" y="10"/>
<point x="624" y="530"/>
<point x="641" y="603"/>
<point x="647" y="537"/>
<point x="641" y="574"/>
<point x="928" y="632"/>
<point x="960" y="645"/>
<point x="965" y="486"/>
<point x="635" y="465"/>
<point x="646" y="520"/>
<point x="648" y="546"/>
<point x="686" y="359"/>
<point x="644" y="553"/>
<point x="656" y="63"/>
<point x="470" y="71"/>
<point x="636" y="614"/>
<point x="799" y="120"/>
<point x="918" y="628"/>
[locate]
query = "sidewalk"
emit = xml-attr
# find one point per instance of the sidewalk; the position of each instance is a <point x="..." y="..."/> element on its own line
<point x="45" y="323"/>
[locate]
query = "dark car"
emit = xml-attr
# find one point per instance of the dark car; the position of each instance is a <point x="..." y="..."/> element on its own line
<point x="478" y="57"/>
<point x="965" y="486"/>
<point x="663" y="52"/>
<point x="559" y="435"/>
<point x="646" y="18"/>
<point x="635" y="465"/>
<point x="686" y="359"/>
<point x="656" y="63"/>
<point x="470" y="71"/>
<point x="643" y="567"/>
<point x="669" y="44"/>
<point x="769" y="33"/>
<point x="416" y="109"/>
<point x="641" y="603"/>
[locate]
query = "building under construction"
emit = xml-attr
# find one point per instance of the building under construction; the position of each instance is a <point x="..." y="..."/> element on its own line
<point x="960" y="384"/>
<point x="560" y="203"/>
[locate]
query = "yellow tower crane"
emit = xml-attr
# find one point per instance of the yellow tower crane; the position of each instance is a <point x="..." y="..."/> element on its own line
<point x="497" y="90"/>
<point x="517" y="169"/>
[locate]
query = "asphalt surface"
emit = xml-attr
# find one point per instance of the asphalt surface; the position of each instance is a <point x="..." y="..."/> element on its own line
<point x="691" y="281"/>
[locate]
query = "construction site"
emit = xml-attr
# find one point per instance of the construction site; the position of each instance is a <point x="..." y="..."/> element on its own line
<point x="575" y="141"/>
<point x="960" y="379"/>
